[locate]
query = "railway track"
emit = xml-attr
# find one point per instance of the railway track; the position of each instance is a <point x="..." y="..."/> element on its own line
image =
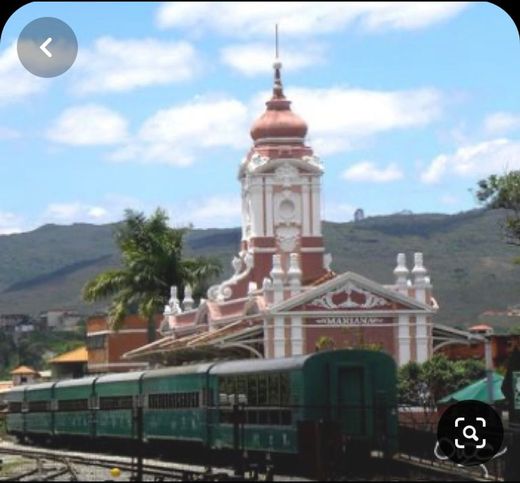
<point x="158" y="470"/>
<point x="65" y="462"/>
<point x="446" y="471"/>
<point x="52" y="464"/>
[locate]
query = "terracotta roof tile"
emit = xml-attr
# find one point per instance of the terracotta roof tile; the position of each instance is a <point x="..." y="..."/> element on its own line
<point x="480" y="327"/>
<point x="77" y="355"/>
<point x="22" y="370"/>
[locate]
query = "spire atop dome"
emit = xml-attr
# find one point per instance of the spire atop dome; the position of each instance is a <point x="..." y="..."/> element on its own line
<point x="277" y="86"/>
<point x="277" y="66"/>
<point x="278" y="122"/>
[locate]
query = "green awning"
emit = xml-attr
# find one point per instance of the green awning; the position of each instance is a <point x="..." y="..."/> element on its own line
<point x="477" y="391"/>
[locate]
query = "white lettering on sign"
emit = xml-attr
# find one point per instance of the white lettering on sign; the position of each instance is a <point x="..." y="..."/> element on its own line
<point x="349" y="320"/>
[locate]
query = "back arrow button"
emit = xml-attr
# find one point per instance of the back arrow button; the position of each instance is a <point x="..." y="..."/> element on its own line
<point x="43" y="47"/>
<point x="47" y="47"/>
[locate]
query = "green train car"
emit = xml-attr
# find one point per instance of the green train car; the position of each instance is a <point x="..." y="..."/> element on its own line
<point x="331" y="407"/>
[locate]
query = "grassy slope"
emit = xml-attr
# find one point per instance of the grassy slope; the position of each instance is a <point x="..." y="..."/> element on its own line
<point x="471" y="266"/>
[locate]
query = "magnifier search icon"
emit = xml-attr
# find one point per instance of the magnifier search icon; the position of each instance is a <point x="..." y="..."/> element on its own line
<point x="469" y="432"/>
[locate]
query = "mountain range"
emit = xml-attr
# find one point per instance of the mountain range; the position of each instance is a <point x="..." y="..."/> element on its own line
<point x="471" y="266"/>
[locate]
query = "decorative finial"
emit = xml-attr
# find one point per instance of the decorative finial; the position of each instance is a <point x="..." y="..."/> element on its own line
<point x="277" y="88"/>
<point x="418" y="270"/>
<point x="276" y="40"/>
<point x="401" y="272"/>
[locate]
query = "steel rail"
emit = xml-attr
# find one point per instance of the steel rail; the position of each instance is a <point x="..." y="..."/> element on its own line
<point x="124" y="463"/>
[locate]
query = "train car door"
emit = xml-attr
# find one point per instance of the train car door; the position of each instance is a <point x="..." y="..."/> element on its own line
<point x="352" y="399"/>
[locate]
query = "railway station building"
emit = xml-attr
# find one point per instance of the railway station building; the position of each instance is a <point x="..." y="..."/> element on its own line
<point x="284" y="298"/>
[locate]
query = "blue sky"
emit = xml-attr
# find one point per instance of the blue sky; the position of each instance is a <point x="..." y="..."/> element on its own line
<point x="408" y="105"/>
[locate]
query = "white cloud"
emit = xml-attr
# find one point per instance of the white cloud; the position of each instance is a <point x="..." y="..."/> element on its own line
<point x="88" y="124"/>
<point x="6" y="133"/>
<point x="501" y="122"/>
<point x="257" y="58"/>
<point x="243" y="19"/>
<point x="71" y="212"/>
<point x="338" y="116"/>
<point x="337" y="211"/>
<point x="110" y="208"/>
<point x="10" y="223"/>
<point x="16" y="83"/>
<point x="122" y="65"/>
<point x="368" y="171"/>
<point x="211" y="212"/>
<point x="481" y="159"/>
<point x="177" y="135"/>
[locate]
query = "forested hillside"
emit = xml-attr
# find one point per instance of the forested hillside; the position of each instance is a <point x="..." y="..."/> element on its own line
<point x="471" y="266"/>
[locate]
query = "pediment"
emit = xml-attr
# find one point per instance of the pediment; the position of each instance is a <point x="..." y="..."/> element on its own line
<point x="349" y="296"/>
<point x="350" y="292"/>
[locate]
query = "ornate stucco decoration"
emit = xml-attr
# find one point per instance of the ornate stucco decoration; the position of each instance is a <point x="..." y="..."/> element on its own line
<point x="288" y="236"/>
<point x="256" y="161"/>
<point x="287" y="207"/>
<point x="223" y="291"/>
<point x="314" y="161"/>
<point x="286" y="174"/>
<point x="371" y="300"/>
<point x="327" y="260"/>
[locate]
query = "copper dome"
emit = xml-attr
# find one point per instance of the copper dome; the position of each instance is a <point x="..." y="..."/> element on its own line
<point x="278" y="121"/>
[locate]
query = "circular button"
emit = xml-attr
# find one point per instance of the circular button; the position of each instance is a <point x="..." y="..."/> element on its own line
<point x="470" y="433"/>
<point x="47" y="47"/>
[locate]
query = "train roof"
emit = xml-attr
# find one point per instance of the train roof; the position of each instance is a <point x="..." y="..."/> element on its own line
<point x="260" y="365"/>
<point x="18" y="388"/>
<point x="83" y="381"/>
<point x="178" y="370"/>
<point x="120" y="377"/>
<point x="42" y="385"/>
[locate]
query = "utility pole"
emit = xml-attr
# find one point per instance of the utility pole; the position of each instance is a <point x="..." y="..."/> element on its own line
<point x="489" y="368"/>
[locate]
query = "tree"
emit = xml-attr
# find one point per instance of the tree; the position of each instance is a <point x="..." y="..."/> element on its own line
<point x="325" y="342"/>
<point x="503" y="192"/>
<point x="424" y="384"/>
<point x="152" y="261"/>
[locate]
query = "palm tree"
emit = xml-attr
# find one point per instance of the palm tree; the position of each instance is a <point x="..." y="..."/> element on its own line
<point x="152" y="261"/>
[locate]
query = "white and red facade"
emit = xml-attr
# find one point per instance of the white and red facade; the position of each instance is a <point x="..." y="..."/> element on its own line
<point x="283" y="297"/>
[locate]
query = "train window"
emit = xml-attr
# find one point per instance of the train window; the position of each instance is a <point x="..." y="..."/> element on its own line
<point x="263" y="417"/>
<point x="274" y="390"/>
<point x="252" y="417"/>
<point x="14" y="407"/>
<point x="73" y="405"/>
<point x="228" y="385"/>
<point x="262" y="390"/>
<point x="180" y="400"/>
<point x="241" y="385"/>
<point x="38" y="406"/>
<point x="123" y="402"/>
<point x="285" y="417"/>
<point x="274" y="417"/>
<point x="252" y="390"/>
<point x="284" y="389"/>
<point x="206" y="397"/>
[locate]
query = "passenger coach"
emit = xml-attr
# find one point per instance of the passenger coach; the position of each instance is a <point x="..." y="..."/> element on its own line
<point x="335" y="408"/>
